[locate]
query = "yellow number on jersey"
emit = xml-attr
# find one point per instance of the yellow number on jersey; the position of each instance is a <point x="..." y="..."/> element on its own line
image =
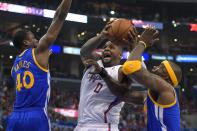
<point x="29" y="85"/>
<point x="18" y="82"/>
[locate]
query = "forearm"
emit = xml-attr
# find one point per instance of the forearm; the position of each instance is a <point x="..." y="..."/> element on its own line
<point x="59" y="18"/>
<point x="137" y="52"/>
<point x="142" y="76"/>
<point x="62" y="10"/>
<point x="55" y="27"/>
<point x="88" y="48"/>
<point x="149" y="80"/>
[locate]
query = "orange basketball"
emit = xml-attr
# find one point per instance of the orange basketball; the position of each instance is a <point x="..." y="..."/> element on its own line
<point x="119" y="30"/>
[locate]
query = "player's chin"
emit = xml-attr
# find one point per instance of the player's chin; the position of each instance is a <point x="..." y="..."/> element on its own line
<point x="107" y="59"/>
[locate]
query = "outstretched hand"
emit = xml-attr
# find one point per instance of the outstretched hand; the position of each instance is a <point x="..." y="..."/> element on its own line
<point x="90" y="62"/>
<point x="149" y="36"/>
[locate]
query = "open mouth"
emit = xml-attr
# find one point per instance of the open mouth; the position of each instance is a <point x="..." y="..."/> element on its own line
<point x="106" y="55"/>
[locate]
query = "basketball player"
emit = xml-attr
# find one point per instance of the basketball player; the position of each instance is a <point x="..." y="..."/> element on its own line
<point x="31" y="75"/>
<point x="99" y="107"/>
<point x="162" y="104"/>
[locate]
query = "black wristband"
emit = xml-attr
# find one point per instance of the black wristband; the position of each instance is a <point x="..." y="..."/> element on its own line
<point x="103" y="73"/>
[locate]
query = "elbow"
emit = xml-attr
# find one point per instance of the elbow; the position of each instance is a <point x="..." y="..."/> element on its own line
<point x="50" y="38"/>
<point x="82" y="51"/>
<point x="83" y="54"/>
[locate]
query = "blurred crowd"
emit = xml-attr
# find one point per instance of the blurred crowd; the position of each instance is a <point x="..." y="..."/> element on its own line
<point x="7" y="96"/>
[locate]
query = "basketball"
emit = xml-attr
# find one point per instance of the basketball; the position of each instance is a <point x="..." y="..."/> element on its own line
<point x="119" y="30"/>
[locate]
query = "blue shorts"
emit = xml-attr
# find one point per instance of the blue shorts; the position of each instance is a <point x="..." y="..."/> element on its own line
<point x="28" y="120"/>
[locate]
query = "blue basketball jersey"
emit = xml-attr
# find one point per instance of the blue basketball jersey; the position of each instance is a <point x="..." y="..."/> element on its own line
<point x="32" y="82"/>
<point x="162" y="117"/>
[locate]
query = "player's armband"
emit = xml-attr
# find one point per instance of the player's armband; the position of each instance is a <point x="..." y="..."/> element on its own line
<point x="130" y="67"/>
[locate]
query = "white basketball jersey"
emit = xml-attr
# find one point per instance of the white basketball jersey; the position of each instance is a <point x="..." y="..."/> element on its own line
<point x="97" y="103"/>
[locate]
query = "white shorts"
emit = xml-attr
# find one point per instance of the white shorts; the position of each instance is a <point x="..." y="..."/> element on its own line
<point x="96" y="127"/>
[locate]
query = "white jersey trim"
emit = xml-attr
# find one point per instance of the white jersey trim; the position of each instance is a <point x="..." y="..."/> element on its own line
<point x="159" y="116"/>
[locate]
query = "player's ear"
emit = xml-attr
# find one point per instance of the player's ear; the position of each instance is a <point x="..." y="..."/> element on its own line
<point x="166" y="77"/>
<point x="25" y="43"/>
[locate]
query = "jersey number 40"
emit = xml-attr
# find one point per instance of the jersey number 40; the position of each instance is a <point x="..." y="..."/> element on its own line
<point x="23" y="83"/>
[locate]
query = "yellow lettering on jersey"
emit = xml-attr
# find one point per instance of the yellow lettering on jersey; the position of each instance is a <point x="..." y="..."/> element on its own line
<point x="25" y="64"/>
<point x="28" y="64"/>
<point x="22" y="64"/>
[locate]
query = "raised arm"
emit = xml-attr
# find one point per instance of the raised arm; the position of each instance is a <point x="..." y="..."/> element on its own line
<point x="87" y="50"/>
<point x="47" y="40"/>
<point x="147" y="38"/>
<point x="42" y="51"/>
<point x="143" y="76"/>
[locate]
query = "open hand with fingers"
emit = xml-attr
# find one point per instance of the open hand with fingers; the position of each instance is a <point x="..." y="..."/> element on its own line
<point x="104" y="33"/>
<point x="149" y="36"/>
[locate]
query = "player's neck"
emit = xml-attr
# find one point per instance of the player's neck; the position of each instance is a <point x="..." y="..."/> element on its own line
<point x="22" y="50"/>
